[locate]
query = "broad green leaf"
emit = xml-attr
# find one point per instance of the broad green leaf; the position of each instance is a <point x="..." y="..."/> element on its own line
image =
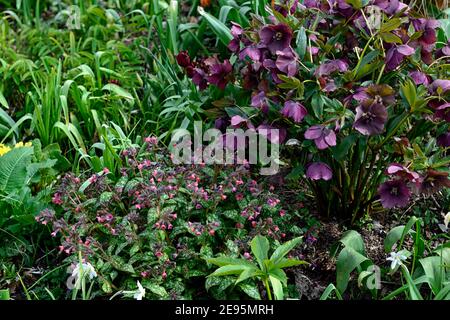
<point x="221" y="30"/>
<point x="247" y="273"/>
<point x="348" y="260"/>
<point x="353" y="239"/>
<point x="155" y="288"/>
<point x="301" y="42"/>
<point x="260" y="249"/>
<point x="433" y="268"/>
<point x="251" y="290"/>
<point x="119" y="91"/>
<point x="277" y="288"/>
<point x="286" y="263"/>
<point x="229" y="270"/>
<point x="328" y="290"/>
<point x="223" y="261"/>
<point x="284" y="249"/>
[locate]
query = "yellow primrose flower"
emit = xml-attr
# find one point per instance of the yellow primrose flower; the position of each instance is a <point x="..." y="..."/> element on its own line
<point x="4" y="149"/>
<point x="21" y="144"/>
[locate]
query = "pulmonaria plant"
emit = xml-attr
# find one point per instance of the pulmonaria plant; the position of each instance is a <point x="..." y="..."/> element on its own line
<point x="360" y="86"/>
<point x="159" y="221"/>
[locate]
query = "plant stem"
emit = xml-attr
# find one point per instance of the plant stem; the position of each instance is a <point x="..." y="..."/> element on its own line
<point x="266" y="284"/>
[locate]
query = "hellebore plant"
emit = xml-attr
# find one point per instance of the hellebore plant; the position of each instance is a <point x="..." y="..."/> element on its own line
<point x="360" y="85"/>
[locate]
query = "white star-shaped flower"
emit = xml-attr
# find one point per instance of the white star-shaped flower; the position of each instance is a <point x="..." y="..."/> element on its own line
<point x="397" y="259"/>
<point x="86" y="268"/>
<point x="140" y="292"/>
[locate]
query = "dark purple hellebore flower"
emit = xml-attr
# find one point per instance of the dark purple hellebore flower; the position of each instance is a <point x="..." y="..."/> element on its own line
<point x="183" y="59"/>
<point x="443" y="112"/>
<point x="250" y="77"/>
<point x="273" y="134"/>
<point x="319" y="171"/>
<point x="390" y="7"/>
<point x="322" y="136"/>
<point x="419" y="78"/>
<point x="252" y="52"/>
<point x="199" y="77"/>
<point x="222" y="123"/>
<point x="294" y="110"/>
<point x="396" y="55"/>
<point x="287" y="62"/>
<point x="434" y="181"/>
<point x="238" y="121"/>
<point x="428" y="39"/>
<point x="370" y="118"/>
<point x="382" y="93"/>
<point x="286" y="7"/>
<point x="276" y="37"/>
<point x="330" y="67"/>
<point x="444" y="140"/>
<point x="235" y="43"/>
<point x="259" y="100"/>
<point x="394" y="193"/>
<point x="440" y="86"/>
<point x="399" y="170"/>
<point x="444" y="51"/>
<point x="219" y="74"/>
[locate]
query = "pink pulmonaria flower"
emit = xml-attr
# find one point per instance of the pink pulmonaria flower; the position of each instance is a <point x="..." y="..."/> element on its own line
<point x="247" y="256"/>
<point x="322" y="136"/>
<point x="319" y="171"/>
<point x="294" y="110"/>
<point x="394" y="193"/>
<point x="57" y="199"/>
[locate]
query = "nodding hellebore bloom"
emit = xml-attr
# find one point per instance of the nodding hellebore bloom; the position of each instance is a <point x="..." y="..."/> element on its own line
<point x="427" y="40"/>
<point x="275" y="37"/>
<point x="419" y="78"/>
<point x="260" y="101"/>
<point x="396" y="55"/>
<point x="390" y="7"/>
<point x="399" y="170"/>
<point x="322" y="136"/>
<point x="443" y="112"/>
<point x="434" y="181"/>
<point x="287" y="62"/>
<point x="394" y="193"/>
<point x="371" y="116"/>
<point x="440" y="86"/>
<point x="444" y="140"/>
<point x="319" y="171"/>
<point x="219" y="72"/>
<point x="294" y="110"/>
